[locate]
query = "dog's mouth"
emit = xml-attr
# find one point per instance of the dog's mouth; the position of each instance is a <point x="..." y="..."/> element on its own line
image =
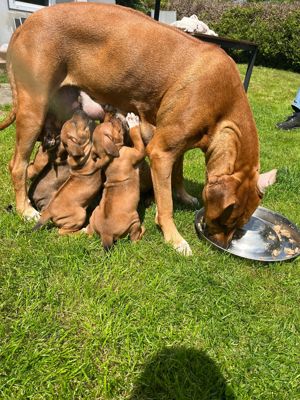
<point x="220" y="238"/>
<point x="79" y="160"/>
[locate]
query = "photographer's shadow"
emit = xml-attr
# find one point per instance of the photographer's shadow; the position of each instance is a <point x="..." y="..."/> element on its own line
<point x="181" y="373"/>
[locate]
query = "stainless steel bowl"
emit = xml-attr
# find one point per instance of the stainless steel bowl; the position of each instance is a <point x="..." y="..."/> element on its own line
<point x="268" y="237"/>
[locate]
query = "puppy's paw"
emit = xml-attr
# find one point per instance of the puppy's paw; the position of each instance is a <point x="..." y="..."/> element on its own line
<point x="30" y="214"/>
<point x="132" y="120"/>
<point x="183" y="248"/>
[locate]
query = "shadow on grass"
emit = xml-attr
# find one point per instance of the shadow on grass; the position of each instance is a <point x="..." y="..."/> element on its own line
<point x="193" y="188"/>
<point x="181" y="373"/>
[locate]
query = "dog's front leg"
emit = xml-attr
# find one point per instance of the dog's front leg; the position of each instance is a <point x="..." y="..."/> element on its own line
<point x="161" y="162"/>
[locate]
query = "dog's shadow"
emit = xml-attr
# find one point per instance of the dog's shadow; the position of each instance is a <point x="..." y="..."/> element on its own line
<point x="193" y="188"/>
<point x="181" y="373"/>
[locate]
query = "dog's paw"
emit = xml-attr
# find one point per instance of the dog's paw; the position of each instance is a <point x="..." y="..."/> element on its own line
<point x="183" y="248"/>
<point x="132" y="120"/>
<point x="31" y="214"/>
<point x="187" y="199"/>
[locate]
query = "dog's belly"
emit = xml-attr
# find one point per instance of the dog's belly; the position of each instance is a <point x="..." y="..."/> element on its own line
<point x="126" y="97"/>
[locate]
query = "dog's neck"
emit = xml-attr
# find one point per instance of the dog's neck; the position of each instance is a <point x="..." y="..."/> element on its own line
<point x="227" y="155"/>
<point x="223" y="150"/>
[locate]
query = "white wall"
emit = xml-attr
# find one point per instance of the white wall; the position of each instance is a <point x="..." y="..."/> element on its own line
<point x="102" y="1"/>
<point x="168" y="17"/>
<point x="5" y="23"/>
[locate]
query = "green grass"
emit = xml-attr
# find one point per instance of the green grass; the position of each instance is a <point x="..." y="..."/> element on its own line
<point x="3" y="77"/>
<point x="144" y="323"/>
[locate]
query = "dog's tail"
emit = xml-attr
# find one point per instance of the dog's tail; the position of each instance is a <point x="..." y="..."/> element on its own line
<point x="9" y="120"/>
<point x="12" y="115"/>
<point x="44" y="218"/>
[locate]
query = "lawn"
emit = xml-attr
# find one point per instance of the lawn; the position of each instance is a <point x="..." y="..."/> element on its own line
<point x="144" y="323"/>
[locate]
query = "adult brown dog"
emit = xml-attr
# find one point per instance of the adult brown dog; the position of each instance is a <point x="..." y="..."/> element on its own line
<point x="190" y="90"/>
<point x="117" y="216"/>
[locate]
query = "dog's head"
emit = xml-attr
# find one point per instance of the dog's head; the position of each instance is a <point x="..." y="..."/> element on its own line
<point x="107" y="141"/>
<point x="230" y="202"/>
<point x="76" y="135"/>
<point x="233" y="188"/>
<point x="108" y="137"/>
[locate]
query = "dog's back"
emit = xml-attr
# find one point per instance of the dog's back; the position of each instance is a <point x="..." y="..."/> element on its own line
<point x="86" y="37"/>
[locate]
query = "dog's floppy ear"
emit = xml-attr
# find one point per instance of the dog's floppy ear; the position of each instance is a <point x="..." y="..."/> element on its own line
<point x="266" y="179"/>
<point x="219" y="197"/>
<point x="219" y="193"/>
<point x="109" y="146"/>
<point x="222" y="151"/>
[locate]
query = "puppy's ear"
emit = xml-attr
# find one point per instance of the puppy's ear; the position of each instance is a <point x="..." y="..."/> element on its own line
<point x="66" y="128"/>
<point x="109" y="146"/>
<point x="219" y="195"/>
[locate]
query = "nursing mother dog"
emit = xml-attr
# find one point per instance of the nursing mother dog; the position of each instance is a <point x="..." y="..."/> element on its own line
<point x="189" y="90"/>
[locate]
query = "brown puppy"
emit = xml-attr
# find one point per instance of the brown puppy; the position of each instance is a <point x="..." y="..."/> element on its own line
<point x="189" y="89"/>
<point x="48" y="149"/>
<point x="50" y="178"/>
<point x="67" y="209"/>
<point x="61" y="108"/>
<point x="117" y="216"/>
<point x="50" y="169"/>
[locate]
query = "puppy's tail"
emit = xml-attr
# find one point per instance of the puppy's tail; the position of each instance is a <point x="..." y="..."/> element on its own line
<point x="44" y="218"/>
<point x="9" y="120"/>
<point x="12" y="115"/>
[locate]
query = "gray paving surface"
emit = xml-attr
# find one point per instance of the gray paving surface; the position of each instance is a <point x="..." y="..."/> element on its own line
<point x="5" y="94"/>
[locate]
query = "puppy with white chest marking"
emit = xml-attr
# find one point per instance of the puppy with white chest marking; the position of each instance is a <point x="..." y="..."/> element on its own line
<point x="117" y="216"/>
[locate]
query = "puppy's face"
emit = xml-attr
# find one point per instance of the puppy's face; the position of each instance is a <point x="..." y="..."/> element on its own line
<point x="51" y="133"/>
<point x="76" y="135"/>
<point x="229" y="204"/>
<point x="107" y="141"/>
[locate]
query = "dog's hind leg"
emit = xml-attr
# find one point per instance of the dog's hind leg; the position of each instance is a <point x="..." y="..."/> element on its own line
<point x="29" y="120"/>
<point x="136" y="231"/>
<point x="179" y="190"/>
